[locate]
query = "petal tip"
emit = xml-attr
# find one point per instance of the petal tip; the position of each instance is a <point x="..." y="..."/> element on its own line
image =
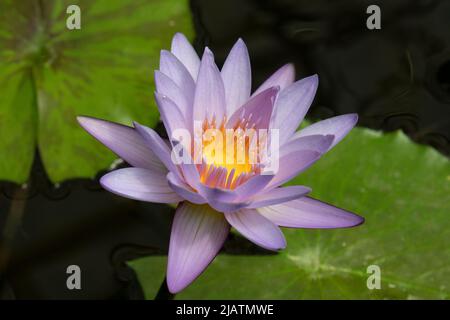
<point x="355" y="118"/>
<point x="82" y="120"/>
<point x="208" y="53"/>
<point x="240" y="43"/>
<point x="289" y="65"/>
<point x="277" y="246"/>
<point x="281" y="244"/>
<point x="86" y="119"/>
<point x="179" y="35"/>
<point x="314" y="79"/>
<point x="136" y="125"/>
<point x="104" y="182"/>
<point x="358" y="221"/>
<point x="289" y="71"/>
<point x="311" y="81"/>
<point x="174" y="286"/>
<point x="89" y="123"/>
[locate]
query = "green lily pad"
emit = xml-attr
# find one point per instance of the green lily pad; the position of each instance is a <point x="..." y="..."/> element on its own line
<point x="50" y="74"/>
<point x="403" y="191"/>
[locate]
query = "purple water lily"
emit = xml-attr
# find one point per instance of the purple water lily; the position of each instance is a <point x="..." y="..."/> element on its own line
<point x="212" y="196"/>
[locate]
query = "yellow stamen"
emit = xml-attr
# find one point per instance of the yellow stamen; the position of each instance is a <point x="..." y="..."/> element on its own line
<point x="229" y="154"/>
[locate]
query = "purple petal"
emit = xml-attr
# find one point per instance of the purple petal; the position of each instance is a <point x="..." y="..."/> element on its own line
<point x="190" y="174"/>
<point x="278" y="195"/>
<point x="157" y="144"/>
<point x="292" y="165"/>
<point x="224" y="200"/>
<point x="188" y="168"/>
<point x="292" y="105"/>
<point x="175" y="70"/>
<point x="183" y="190"/>
<point x="198" y="233"/>
<point x="283" y="77"/>
<point x="213" y="193"/>
<point x="171" y="115"/>
<point x="168" y="88"/>
<point x="252" y="186"/>
<point x="140" y="184"/>
<point x="220" y="199"/>
<point x="257" y="111"/>
<point x="257" y="229"/>
<point x="315" y="142"/>
<point x="225" y="207"/>
<point x="307" y="212"/>
<point x="123" y="141"/>
<point x="209" y="99"/>
<point x="237" y="77"/>
<point x="184" y="51"/>
<point x="338" y="126"/>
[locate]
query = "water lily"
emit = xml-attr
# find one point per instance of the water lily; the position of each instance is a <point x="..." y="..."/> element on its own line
<point x="213" y="196"/>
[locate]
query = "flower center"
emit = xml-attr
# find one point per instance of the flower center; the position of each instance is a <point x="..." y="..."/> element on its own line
<point x="230" y="155"/>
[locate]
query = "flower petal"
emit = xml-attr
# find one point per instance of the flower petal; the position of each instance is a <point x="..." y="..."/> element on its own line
<point x="209" y="99"/>
<point x="157" y="145"/>
<point x="316" y="142"/>
<point x="257" y="229"/>
<point x="184" y="190"/>
<point x="251" y="187"/>
<point x="212" y="194"/>
<point x="226" y="206"/>
<point x="190" y="174"/>
<point x="278" y="195"/>
<point x="175" y="70"/>
<point x="171" y="115"/>
<point x="140" y="184"/>
<point x="283" y="77"/>
<point x="307" y="212"/>
<point x="198" y="233"/>
<point x="292" y="105"/>
<point x="188" y="168"/>
<point x="166" y="87"/>
<point x="256" y="112"/>
<point x="123" y="141"/>
<point x="292" y="165"/>
<point x="222" y="200"/>
<point x="237" y="77"/>
<point x="184" y="51"/>
<point x="225" y="200"/>
<point x="338" y="126"/>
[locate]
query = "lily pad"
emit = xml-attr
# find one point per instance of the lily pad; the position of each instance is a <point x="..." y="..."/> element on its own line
<point x="403" y="191"/>
<point x="50" y="74"/>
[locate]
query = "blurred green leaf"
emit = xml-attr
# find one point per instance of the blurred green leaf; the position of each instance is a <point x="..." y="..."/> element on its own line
<point x="403" y="191"/>
<point x="18" y="123"/>
<point x="49" y="75"/>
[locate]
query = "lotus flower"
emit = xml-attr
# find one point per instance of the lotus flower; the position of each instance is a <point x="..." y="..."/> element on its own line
<point x="213" y="196"/>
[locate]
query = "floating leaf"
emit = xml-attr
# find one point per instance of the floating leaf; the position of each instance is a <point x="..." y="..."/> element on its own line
<point x="50" y="74"/>
<point x="403" y="191"/>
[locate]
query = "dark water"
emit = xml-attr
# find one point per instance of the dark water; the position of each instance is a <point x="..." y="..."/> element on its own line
<point x="394" y="78"/>
<point x="397" y="77"/>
